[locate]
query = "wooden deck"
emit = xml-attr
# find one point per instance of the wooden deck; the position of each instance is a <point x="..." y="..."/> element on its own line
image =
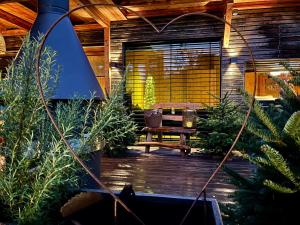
<point x="166" y="172"/>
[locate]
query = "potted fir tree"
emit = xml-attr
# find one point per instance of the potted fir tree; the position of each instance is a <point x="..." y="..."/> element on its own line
<point x="153" y="117"/>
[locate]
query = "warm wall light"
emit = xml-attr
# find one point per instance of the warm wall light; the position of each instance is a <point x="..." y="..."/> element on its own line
<point x="235" y="12"/>
<point x="233" y="60"/>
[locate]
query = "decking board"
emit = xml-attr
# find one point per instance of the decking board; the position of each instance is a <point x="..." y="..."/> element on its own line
<point x="170" y="174"/>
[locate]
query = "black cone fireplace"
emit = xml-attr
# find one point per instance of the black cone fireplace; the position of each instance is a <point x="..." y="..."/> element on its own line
<point x="77" y="77"/>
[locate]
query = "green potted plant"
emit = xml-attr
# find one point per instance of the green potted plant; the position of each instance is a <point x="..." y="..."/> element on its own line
<point x="153" y="117"/>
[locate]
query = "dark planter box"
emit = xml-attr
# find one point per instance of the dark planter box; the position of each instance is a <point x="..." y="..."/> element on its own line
<point x="153" y="209"/>
<point x="94" y="163"/>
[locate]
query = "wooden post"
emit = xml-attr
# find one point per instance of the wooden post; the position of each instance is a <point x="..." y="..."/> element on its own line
<point x="148" y="139"/>
<point x="228" y="17"/>
<point x="107" y="59"/>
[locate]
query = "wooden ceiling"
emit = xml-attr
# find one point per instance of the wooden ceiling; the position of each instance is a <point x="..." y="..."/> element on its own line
<point x="17" y="16"/>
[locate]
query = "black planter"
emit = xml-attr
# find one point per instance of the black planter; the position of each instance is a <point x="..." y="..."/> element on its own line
<point x="94" y="163"/>
<point x="153" y="209"/>
<point x="153" y="118"/>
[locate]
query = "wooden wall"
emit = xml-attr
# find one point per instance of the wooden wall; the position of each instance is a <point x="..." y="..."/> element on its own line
<point x="271" y="33"/>
<point x="137" y="30"/>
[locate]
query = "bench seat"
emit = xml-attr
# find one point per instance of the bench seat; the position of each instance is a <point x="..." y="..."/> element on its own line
<point x="179" y="130"/>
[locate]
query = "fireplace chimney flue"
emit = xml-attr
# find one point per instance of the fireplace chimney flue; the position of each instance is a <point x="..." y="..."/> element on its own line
<point x="77" y="77"/>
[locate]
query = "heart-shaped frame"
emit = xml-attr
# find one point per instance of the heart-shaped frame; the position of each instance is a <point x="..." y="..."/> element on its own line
<point x="73" y="153"/>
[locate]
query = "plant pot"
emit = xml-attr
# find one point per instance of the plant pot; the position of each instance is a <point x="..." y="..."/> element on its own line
<point x="94" y="163"/>
<point x="165" y="210"/>
<point x="153" y="118"/>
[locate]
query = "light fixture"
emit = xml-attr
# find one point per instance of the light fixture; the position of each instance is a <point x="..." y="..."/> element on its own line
<point x="235" y="12"/>
<point x="233" y="60"/>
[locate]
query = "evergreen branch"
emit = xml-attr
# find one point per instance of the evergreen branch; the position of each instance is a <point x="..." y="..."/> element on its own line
<point x="279" y="163"/>
<point x="263" y="134"/>
<point x="291" y="70"/>
<point x="292" y="127"/>
<point x="289" y="92"/>
<point x="266" y="120"/>
<point x="279" y="188"/>
<point x="238" y="180"/>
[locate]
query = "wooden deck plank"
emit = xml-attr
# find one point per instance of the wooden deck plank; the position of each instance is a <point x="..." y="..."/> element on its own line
<point x="170" y="174"/>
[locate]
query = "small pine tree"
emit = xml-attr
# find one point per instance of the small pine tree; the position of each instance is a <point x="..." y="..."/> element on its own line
<point x="272" y="195"/>
<point x="149" y="97"/>
<point x="217" y="132"/>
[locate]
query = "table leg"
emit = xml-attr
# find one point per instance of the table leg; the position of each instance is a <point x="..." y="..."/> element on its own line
<point x="183" y="142"/>
<point x="148" y="139"/>
<point x="159" y="136"/>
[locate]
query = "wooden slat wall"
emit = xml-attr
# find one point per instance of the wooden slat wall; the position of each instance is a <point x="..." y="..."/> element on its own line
<point x="271" y="33"/>
<point x="139" y="31"/>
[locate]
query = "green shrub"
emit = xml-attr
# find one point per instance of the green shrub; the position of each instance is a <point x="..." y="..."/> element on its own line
<point x="39" y="172"/>
<point x="217" y="132"/>
<point x="114" y="127"/>
<point x="272" y="194"/>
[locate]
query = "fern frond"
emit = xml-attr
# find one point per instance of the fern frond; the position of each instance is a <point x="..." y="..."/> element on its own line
<point x="279" y="188"/>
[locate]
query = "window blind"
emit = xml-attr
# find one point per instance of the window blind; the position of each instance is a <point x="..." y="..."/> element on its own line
<point x="182" y="72"/>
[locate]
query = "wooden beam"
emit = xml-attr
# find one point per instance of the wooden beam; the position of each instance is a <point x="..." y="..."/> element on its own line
<point x="88" y="27"/>
<point x="187" y="8"/>
<point x="20" y="11"/>
<point x="12" y="1"/>
<point x="107" y="72"/>
<point x="112" y="13"/>
<point x="263" y="4"/>
<point x="171" y="5"/>
<point x="94" y="50"/>
<point x="15" y="20"/>
<point x="22" y="32"/>
<point x="101" y="19"/>
<point x="2" y="45"/>
<point x="227" y="29"/>
<point x="14" y="32"/>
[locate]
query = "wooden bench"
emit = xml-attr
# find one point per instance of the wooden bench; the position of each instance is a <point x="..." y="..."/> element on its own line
<point x="184" y="133"/>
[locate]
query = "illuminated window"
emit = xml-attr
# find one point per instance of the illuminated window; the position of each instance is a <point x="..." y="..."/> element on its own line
<point x="182" y="72"/>
<point x="266" y="88"/>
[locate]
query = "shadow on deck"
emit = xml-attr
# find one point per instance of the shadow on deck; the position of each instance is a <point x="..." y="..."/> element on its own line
<point x="164" y="171"/>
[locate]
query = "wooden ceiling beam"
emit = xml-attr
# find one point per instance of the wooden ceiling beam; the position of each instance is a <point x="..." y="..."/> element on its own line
<point x="166" y="12"/>
<point x="12" y="1"/>
<point x="88" y="27"/>
<point x="173" y="6"/>
<point x="227" y="28"/>
<point x="263" y="4"/>
<point x="79" y="28"/>
<point x="101" y="19"/>
<point x="20" y="11"/>
<point x="14" y="32"/>
<point x="112" y="13"/>
<point x="15" y="20"/>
